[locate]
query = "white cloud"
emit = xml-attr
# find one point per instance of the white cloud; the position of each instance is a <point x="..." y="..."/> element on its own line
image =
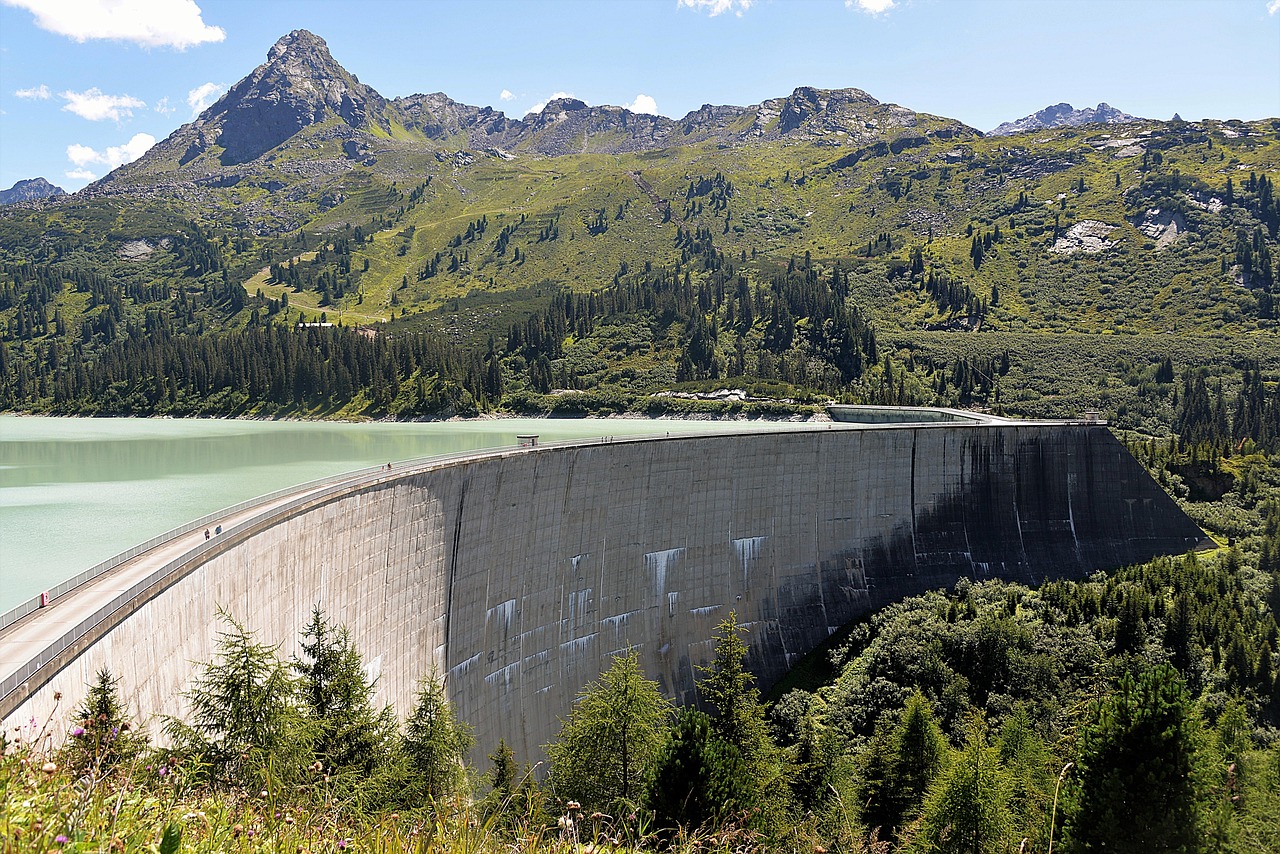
<point x="150" y="23"/>
<point x="874" y="7"/>
<point x="202" y="96"/>
<point x="1273" y="7"/>
<point x="115" y="155"/>
<point x="717" y="7"/>
<point x="163" y="107"/>
<point x="39" y="93"/>
<point x="508" y="95"/>
<point x="80" y="175"/>
<point x="94" y="105"/>
<point x="643" y="104"/>
<point x="81" y="155"/>
<point x="541" y="105"/>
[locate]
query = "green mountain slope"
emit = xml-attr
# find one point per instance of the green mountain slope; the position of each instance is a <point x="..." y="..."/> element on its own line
<point x="752" y="246"/>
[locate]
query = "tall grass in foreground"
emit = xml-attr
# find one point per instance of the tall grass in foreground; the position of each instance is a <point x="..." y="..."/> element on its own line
<point x="67" y="799"/>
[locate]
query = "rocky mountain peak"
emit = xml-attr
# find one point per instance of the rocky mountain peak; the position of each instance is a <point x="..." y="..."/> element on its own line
<point x="299" y="85"/>
<point x="299" y="43"/>
<point x="1064" y="115"/>
<point x="31" y="188"/>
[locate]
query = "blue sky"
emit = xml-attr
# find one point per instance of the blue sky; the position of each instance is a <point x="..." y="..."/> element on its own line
<point x="88" y="84"/>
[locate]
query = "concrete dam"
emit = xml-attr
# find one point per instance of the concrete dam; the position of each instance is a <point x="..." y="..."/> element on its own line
<point x="516" y="574"/>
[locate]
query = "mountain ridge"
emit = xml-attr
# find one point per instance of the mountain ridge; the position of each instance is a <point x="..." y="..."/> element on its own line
<point x="301" y="87"/>
<point x="1064" y="115"/>
<point x="30" y="189"/>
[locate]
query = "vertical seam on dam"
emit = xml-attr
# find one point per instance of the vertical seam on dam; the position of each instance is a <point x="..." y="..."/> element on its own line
<point x="453" y="576"/>
<point x="915" y="435"/>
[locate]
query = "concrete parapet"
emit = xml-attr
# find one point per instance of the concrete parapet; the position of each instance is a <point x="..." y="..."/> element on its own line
<point x="517" y="576"/>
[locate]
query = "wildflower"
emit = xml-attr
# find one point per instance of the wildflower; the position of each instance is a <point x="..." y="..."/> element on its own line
<point x="262" y="794"/>
<point x="78" y="731"/>
<point x="288" y="819"/>
<point x="574" y="805"/>
<point x="164" y="771"/>
<point x="57" y="695"/>
<point x="342" y="843"/>
<point x="61" y="839"/>
<point x="49" y="767"/>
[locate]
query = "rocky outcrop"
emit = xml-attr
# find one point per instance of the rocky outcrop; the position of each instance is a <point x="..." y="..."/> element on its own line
<point x="28" y="190"/>
<point x="1089" y="236"/>
<point x="1064" y="115"/>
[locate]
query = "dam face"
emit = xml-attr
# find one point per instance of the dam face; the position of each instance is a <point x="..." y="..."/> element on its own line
<point x="517" y="576"/>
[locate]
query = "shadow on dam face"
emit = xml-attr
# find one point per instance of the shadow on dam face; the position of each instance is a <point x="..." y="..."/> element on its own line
<point x="516" y="576"/>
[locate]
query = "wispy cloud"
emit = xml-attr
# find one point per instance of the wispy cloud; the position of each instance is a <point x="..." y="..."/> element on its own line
<point x="541" y="105"/>
<point x="508" y="95"/>
<point x="39" y="93"/>
<point x="80" y="175"/>
<point x="874" y="7"/>
<point x="1273" y="7"/>
<point x="163" y="107"/>
<point x="199" y="98"/>
<point x="115" y="155"/>
<point x="717" y="7"/>
<point x="643" y="104"/>
<point x="150" y="23"/>
<point x="95" y="105"/>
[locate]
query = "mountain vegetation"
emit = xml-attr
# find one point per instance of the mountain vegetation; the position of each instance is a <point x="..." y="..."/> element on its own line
<point x="585" y="259"/>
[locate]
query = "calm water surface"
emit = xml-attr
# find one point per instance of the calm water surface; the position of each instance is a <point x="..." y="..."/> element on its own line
<point x="75" y="491"/>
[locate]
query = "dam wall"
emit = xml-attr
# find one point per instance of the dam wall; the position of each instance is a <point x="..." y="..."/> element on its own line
<point x="516" y="576"/>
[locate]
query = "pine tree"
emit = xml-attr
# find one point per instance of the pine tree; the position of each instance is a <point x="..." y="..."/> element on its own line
<point x="349" y="734"/>
<point x="1139" y="783"/>
<point x="899" y="766"/>
<point x="966" y="810"/>
<point x="606" y="751"/>
<point x="436" y="743"/>
<point x="102" y="736"/>
<point x="248" y="728"/>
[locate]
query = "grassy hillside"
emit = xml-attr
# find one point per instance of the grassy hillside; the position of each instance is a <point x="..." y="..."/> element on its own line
<point x="1110" y="247"/>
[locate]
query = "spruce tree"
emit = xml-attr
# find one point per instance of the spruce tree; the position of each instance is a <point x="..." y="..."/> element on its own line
<point x="247" y="726"/>
<point x="349" y="734"/>
<point x="436" y="744"/>
<point x="606" y="750"/>
<point x="1139" y="785"/>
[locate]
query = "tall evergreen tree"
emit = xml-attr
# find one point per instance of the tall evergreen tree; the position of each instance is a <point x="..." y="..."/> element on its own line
<point x="1139" y="781"/>
<point x="349" y="734"/>
<point x="607" y="749"/>
<point x="436" y="743"/>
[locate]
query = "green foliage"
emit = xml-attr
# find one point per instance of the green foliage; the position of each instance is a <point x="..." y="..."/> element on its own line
<point x="247" y="728"/>
<point x="350" y="737"/>
<point x="899" y="765"/>
<point x="436" y="744"/>
<point x="1139" y="786"/>
<point x="606" y="751"/>
<point x="699" y="779"/>
<point x="966" y="809"/>
<point x="102" y="735"/>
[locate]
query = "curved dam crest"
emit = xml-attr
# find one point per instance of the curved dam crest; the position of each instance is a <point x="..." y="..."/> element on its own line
<point x="517" y="575"/>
